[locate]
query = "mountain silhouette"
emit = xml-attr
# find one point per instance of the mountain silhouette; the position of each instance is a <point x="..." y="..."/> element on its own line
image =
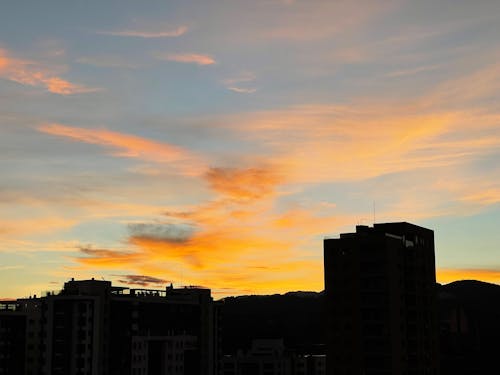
<point x="469" y="317"/>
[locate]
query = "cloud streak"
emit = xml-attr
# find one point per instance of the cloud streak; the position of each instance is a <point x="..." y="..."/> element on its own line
<point x="30" y="73"/>
<point x="237" y="84"/>
<point x="141" y="280"/>
<point x="106" y="62"/>
<point x="188" y="58"/>
<point x="106" y="258"/>
<point x="244" y="184"/>
<point x="130" y="146"/>
<point x="161" y="232"/>
<point x="241" y="90"/>
<point x="147" y="34"/>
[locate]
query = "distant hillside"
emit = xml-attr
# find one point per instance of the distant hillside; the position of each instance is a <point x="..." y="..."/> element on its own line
<point x="476" y="292"/>
<point x="481" y="302"/>
<point x="298" y="317"/>
<point x="474" y="347"/>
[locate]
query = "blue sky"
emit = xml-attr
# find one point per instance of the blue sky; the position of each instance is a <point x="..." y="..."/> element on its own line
<point x="217" y="143"/>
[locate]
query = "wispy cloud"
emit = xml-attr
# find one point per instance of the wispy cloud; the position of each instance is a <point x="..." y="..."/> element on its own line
<point x="9" y="268"/>
<point x="413" y="71"/>
<point x="141" y="280"/>
<point x="108" y="258"/>
<point x="34" y="225"/>
<point x="484" y="197"/>
<point x="188" y="58"/>
<point x="163" y="232"/>
<point x="243" y="77"/>
<point x="243" y="183"/>
<point x="131" y="146"/>
<point x="106" y="62"/>
<point x="240" y="83"/>
<point x="136" y="33"/>
<point x="242" y="90"/>
<point x="293" y="22"/>
<point x="30" y="73"/>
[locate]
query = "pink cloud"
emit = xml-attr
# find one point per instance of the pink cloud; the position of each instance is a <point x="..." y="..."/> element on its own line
<point x="189" y="58"/>
<point x="29" y="73"/>
<point x="131" y="146"/>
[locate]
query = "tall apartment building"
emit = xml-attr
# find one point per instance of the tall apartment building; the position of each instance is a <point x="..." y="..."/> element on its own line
<point x="380" y="300"/>
<point x="12" y="339"/>
<point x="93" y="328"/>
<point x="20" y="343"/>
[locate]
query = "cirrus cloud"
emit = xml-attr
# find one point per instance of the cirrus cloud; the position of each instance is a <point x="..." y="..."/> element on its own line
<point x="141" y="280"/>
<point x="136" y="33"/>
<point x="188" y="58"/>
<point x="130" y="146"/>
<point x="31" y="73"/>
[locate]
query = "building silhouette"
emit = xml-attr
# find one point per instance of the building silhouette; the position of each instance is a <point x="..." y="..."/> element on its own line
<point x="271" y="357"/>
<point x="12" y="339"/>
<point x="380" y="301"/>
<point x="93" y="328"/>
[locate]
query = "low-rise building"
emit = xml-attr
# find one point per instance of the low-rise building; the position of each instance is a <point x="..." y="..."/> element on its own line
<point x="270" y="357"/>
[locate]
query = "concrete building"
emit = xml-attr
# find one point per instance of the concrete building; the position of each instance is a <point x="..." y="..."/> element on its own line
<point x="20" y="337"/>
<point x="168" y="355"/>
<point x="380" y="300"/>
<point x="269" y="357"/>
<point x="157" y="319"/>
<point x="93" y="328"/>
<point x="13" y="323"/>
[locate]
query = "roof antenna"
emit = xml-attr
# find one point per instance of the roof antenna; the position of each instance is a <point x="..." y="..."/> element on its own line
<point x="374" y="216"/>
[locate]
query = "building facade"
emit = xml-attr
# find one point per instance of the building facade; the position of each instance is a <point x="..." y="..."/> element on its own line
<point x="380" y="291"/>
<point x="270" y="357"/>
<point x="93" y="328"/>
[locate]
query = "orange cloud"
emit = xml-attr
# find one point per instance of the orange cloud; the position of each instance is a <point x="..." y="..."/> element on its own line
<point x="29" y="73"/>
<point x="34" y="225"/>
<point x="231" y="264"/>
<point x="244" y="239"/>
<point x="249" y="183"/>
<point x="106" y="258"/>
<point x="484" y="197"/>
<point x="302" y="221"/>
<point x="130" y="146"/>
<point x="344" y="143"/>
<point x="478" y="85"/>
<point x="292" y="25"/>
<point x="210" y="247"/>
<point x="188" y="58"/>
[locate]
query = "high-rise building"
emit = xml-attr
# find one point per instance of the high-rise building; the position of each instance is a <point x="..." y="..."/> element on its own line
<point x="380" y="288"/>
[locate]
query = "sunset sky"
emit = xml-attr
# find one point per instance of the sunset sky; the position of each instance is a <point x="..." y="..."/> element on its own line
<point x="217" y="143"/>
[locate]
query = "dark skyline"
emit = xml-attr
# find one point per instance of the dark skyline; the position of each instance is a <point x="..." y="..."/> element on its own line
<point x="378" y="314"/>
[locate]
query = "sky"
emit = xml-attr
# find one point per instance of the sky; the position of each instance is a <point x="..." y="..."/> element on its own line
<point x="217" y="143"/>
